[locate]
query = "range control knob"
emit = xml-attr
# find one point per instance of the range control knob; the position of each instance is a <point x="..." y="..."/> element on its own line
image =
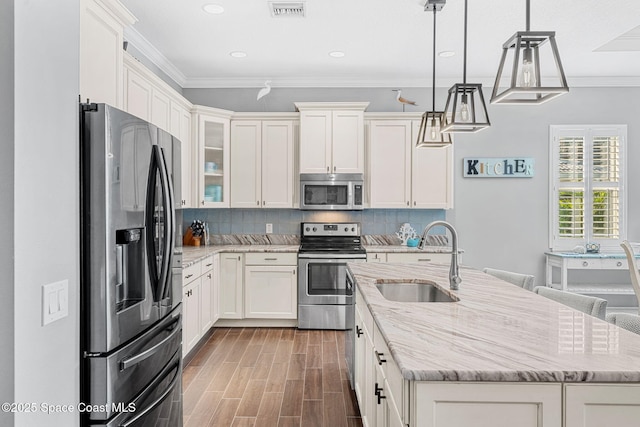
<point x="346" y="229"/>
<point x="307" y="229"/>
<point x="315" y="229"/>
<point x="353" y="229"/>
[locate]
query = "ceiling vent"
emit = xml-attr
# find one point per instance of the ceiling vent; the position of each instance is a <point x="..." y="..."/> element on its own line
<point x="283" y="9"/>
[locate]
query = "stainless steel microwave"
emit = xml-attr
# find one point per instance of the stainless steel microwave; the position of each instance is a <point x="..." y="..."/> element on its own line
<point x="336" y="191"/>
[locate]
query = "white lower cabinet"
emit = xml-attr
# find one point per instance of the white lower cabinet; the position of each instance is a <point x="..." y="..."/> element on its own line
<point x="190" y="316"/>
<point x="410" y="257"/>
<point x="270" y="286"/>
<point x="198" y="302"/>
<point x="444" y="404"/>
<point x="602" y="405"/>
<point x="231" y="285"/>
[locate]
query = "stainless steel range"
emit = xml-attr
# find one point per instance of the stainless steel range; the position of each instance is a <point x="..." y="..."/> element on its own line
<point x="325" y="300"/>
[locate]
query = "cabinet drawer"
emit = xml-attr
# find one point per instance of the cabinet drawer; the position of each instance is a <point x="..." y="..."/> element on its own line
<point x="377" y="257"/>
<point x="270" y="258"/>
<point x="189" y="274"/>
<point x="389" y="367"/>
<point x="614" y="264"/>
<point x="207" y="264"/>
<point x="418" y="257"/>
<point x="587" y="264"/>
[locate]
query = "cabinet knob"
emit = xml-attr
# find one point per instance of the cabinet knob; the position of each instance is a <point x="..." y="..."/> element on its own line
<point x="585" y="263"/>
<point x="238" y="257"/>
<point x="258" y="202"/>
<point x="334" y="168"/>
<point x="619" y="264"/>
<point x="414" y="203"/>
<point x="203" y="202"/>
<point x="209" y="275"/>
<point x="378" y="391"/>
<point x="263" y="203"/>
<point x="294" y="272"/>
<point x="380" y="357"/>
<point x="327" y="169"/>
<point x="408" y="204"/>
<point x="188" y="275"/>
<point x="358" y="331"/>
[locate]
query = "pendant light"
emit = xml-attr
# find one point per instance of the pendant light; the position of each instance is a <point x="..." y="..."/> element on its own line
<point x="465" y="110"/>
<point x="429" y="134"/>
<point x="525" y="81"/>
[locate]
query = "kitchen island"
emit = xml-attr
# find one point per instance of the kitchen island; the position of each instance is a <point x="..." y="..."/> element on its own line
<point x="500" y="356"/>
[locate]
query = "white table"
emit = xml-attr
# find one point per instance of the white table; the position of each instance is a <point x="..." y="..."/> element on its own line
<point x="566" y="261"/>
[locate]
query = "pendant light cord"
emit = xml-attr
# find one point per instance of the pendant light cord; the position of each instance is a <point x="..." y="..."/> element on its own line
<point x="528" y="15"/>
<point x="464" y="69"/>
<point x="433" y="87"/>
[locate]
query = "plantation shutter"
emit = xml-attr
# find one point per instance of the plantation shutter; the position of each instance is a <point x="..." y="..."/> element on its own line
<point x="587" y="191"/>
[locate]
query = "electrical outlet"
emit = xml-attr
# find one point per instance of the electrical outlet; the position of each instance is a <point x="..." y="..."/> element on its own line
<point x="269" y="228"/>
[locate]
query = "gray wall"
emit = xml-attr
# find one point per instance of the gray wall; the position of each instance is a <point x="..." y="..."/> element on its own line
<point x="46" y="204"/>
<point x="502" y="223"/>
<point x="6" y="209"/>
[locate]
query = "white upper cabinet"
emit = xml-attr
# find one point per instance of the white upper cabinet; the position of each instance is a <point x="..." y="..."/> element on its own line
<point x="389" y="173"/>
<point x="331" y="137"/>
<point x="152" y="99"/>
<point x="262" y="167"/>
<point x="101" y="50"/>
<point x="399" y="174"/>
<point x="212" y="159"/>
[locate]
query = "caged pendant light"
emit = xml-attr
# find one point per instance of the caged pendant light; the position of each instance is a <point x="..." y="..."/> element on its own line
<point x="525" y="82"/>
<point x="429" y="134"/>
<point x="465" y="110"/>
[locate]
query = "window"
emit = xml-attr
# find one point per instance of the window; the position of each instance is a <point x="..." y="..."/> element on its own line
<point x="588" y="191"/>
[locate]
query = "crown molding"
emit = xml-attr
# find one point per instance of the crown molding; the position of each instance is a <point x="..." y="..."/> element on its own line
<point x="154" y="55"/>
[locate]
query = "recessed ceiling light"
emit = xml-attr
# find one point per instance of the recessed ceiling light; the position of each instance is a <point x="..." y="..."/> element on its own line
<point x="446" y="54"/>
<point x="214" y="9"/>
<point x="336" y="54"/>
<point x="238" y="54"/>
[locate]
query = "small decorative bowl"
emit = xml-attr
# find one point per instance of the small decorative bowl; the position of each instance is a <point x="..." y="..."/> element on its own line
<point x="412" y="243"/>
<point x="592" y="248"/>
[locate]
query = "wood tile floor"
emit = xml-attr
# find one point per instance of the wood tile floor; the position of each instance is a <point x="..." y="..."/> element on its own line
<point x="269" y="377"/>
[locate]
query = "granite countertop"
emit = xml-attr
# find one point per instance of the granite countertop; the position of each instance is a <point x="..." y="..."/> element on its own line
<point x="496" y="332"/>
<point x="193" y="254"/>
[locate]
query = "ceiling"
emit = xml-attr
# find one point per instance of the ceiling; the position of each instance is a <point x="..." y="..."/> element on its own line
<point x="386" y="42"/>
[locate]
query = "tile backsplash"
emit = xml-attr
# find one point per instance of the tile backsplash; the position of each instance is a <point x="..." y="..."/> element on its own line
<point x="287" y="221"/>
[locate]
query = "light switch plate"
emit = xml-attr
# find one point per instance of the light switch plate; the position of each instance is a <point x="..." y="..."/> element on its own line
<point x="269" y="228"/>
<point x="55" y="297"/>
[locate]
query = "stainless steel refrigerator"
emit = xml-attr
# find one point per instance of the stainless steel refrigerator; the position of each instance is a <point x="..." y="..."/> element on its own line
<point x="130" y="292"/>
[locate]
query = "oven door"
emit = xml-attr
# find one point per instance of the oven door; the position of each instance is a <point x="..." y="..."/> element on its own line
<point x="324" y="281"/>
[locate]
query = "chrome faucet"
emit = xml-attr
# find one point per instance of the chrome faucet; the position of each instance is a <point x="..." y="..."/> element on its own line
<point x="454" y="277"/>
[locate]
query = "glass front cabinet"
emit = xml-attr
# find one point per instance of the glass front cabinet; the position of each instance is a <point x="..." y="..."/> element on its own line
<point x="212" y="167"/>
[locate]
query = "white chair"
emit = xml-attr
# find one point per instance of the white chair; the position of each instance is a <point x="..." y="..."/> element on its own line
<point x="593" y="306"/>
<point x="628" y="321"/>
<point x="525" y="281"/>
<point x="633" y="270"/>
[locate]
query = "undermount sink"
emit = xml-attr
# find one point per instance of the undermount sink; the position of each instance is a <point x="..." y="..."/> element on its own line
<point x="413" y="291"/>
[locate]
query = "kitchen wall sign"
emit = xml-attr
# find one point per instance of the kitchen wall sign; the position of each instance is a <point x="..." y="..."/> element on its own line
<point x="498" y="167"/>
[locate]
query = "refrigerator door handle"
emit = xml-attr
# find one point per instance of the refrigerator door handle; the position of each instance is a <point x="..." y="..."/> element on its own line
<point x="156" y="402"/>
<point x="161" y="277"/>
<point x="134" y="360"/>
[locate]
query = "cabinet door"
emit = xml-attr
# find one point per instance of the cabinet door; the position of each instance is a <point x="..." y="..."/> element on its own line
<point x="101" y="36"/>
<point x="390" y="163"/>
<point x="191" y="316"/>
<point x="488" y="404"/>
<point x="359" y="364"/>
<point x="596" y="405"/>
<point x="347" y="142"/>
<point x="181" y="128"/>
<point x="231" y="280"/>
<point x="277" y="164"/>
<point x="206" y="314"/>
<point x="376" y="257"/>
<point x="138" y="95"/>
<point x="246" y="164"/>
<point x="315" y="141"/>
<point x="271" y="292"/>
<point x="160" y="109"/>
<point x="215" y="294"/>
<point x="431" y="176"/>
<point x="213" y="161"/>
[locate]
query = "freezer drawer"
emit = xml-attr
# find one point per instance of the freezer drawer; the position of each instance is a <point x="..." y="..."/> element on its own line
<point x="158" y="405"/>
<point x="119" y="377"/>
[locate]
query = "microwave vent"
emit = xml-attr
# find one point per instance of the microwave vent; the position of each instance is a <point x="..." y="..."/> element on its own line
<point x="287" y="9"/>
